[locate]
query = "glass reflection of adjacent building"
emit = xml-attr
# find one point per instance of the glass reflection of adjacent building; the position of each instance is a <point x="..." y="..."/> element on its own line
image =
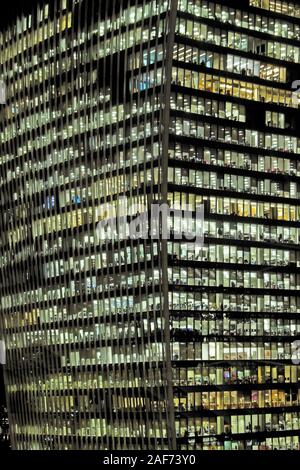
<point x="141" y="344"/>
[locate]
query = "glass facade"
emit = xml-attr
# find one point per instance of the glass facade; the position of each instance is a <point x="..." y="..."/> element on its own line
<point x="142" y="343"/>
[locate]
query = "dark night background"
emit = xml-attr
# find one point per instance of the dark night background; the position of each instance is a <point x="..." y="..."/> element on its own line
<point x="4" y="435"/>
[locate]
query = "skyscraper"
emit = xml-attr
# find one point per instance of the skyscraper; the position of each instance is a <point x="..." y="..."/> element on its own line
<point x="144" y="342"/>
